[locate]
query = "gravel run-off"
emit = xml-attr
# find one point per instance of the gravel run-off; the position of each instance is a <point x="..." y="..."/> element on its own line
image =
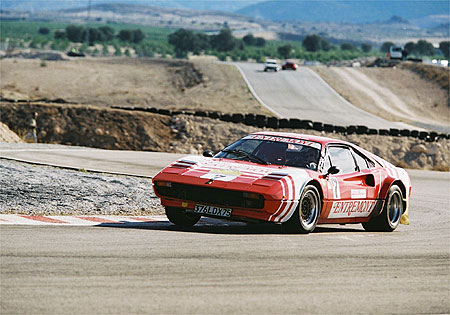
<point x="44" y="190"/>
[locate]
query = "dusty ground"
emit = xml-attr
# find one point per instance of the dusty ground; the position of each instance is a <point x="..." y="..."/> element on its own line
<point x="117" y="129"/>
<point x="162" y="83"/>
<point x="392" y="93"/>
<point x="7" y="135"/>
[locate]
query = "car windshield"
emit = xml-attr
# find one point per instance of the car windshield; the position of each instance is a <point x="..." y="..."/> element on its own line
<point x="287" y="152"/>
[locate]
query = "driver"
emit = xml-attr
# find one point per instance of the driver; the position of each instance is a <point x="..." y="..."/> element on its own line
<point x="309" y="157"/>
<point x="273" y="152"/>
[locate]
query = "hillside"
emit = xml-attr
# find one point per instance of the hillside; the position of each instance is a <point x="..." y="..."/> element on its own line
<point x="45" y="5"/>
<point x="344" y="11"/>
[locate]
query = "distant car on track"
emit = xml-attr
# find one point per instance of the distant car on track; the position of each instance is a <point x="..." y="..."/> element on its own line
<point x="289" y="64"/>
<point x="271" y="64"/>
<point x="295" y="180"/>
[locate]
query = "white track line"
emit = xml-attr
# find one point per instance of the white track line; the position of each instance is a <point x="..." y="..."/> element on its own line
<point x="104" y="220"/>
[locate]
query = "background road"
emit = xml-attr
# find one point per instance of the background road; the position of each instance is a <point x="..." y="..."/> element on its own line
<point x="233" y="268"/>
<point x="303" y="94"/>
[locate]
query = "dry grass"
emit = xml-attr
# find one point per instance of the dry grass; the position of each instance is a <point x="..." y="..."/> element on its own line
<point x="440" y="75"/>
<point x="162" y="83"/>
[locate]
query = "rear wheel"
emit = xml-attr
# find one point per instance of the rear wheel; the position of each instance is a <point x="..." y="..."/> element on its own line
<point x="389" y="218"/>
<point x="306" y="216"/>
<point x="179" y="217"/>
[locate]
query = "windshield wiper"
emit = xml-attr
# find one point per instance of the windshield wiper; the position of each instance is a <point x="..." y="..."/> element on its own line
<point x="241" y="153"/>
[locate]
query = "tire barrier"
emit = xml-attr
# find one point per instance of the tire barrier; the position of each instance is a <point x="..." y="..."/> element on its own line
<point x="262" y="121"/>
<point x="394" y="132"/>
<point x="361" y="130"/>
<point x="200" y="113"/>
<point x="237" y="118"/>
<point x="318" y="126"/>
<point x="283" y="123"/>
<point x="272" y="122"/>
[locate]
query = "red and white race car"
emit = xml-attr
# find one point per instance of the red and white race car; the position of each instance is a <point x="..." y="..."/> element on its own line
<point x="295" y="180"/>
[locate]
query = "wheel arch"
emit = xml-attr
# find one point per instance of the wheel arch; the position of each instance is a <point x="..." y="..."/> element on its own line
<point x="319" y="188"/>
<point x="314" y="183"/>
<point x="402" y="187"/>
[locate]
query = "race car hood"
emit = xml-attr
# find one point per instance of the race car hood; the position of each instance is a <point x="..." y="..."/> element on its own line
<point x="233" y="173"/>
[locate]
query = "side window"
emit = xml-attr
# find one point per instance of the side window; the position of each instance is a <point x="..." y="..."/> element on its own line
<point x="343" y="159"/>
<point x="361" y="161"/>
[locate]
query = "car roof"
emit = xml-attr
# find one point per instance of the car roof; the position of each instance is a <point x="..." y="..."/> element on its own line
<point x="324" y="141"/>
<point x="271" y="60"/>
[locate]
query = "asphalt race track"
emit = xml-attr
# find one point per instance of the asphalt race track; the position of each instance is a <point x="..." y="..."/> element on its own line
<point x="221" y="267"/>
<point x="303" y="94"/>
<point x="232" y="268"/>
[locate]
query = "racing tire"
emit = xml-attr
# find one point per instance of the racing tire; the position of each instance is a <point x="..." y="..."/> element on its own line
<point x="177" y="216"/>
<point x="306" y="216"/>
<point x="389" y="218"/>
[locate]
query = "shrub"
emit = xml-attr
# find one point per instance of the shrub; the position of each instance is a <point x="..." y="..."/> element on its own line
<point x="60" y="34"/>
<point x="44" y="31"/>
<point x="385" y="47"/>
<point x="366" y="47"/>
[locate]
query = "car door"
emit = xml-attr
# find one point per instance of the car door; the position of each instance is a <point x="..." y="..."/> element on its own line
<point x="353" y="190"/>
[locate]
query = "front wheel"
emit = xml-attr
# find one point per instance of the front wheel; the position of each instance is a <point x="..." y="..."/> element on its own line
<point x="306" y="216"/>
<point x="179" y="217"/>
<point x="389" y="218"/>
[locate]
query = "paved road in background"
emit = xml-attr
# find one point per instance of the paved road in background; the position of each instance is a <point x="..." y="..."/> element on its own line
<point x="137" y="163"/>
<point x="303" y="94"/>
<point x="234" y="268"/>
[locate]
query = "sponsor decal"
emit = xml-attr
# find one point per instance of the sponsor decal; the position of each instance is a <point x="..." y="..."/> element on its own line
<point x="220" y="212"/>
<point x="336" y="189"/>
<point x="225" y="166"/>
<point x="222" y="175"/>
<point x="358" y="194"/>
<point x="285" y="140"/>
<point x="351" y="208"/>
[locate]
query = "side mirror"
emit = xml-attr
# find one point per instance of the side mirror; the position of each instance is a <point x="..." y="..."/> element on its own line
<point x="333" y="170"/>
<point x="208" y="153"/>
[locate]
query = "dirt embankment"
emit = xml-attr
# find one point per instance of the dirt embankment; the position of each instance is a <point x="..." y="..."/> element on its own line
<point x="7" y="135"/>
<point x="137" y="82"/>
<point x="395" y="93"/>
<point x="124" y="130"/>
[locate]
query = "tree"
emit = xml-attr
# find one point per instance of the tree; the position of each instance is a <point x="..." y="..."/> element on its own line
<point x="366" y="47"/>
<point x="249" y="39"/>
<point x="60" y="34"/>
<point x="445" y="47"/>
<point x="285" y="51"/>
<point x="94" y="36"/>
<point x="385" y="47"/>
<point x="224" y="41"/>
<point x="425" y="48"/>
<point x="125" y="35"/>
<point x="44" y="31"/>
<point x="260" y="42"/>
<point x="312" y="43"/>
<point x="325" y="44"/>
<point x="75" y="33"/>
<point x="201" y="43"/>
<point x="347" y="46"/>
<point x="411" y="47"/>
<point x="108" y="32"/>
<point x="137" y="36"/>
<point x="183" y="42"/>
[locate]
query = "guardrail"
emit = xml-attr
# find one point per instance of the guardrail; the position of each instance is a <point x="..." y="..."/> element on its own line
<point x="262" y="121"/>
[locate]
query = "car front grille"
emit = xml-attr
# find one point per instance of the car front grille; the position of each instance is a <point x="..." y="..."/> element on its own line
<point x="210" y="195"/>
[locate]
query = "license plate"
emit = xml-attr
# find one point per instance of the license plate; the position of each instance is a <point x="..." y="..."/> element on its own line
<point x="216" y="211"/>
